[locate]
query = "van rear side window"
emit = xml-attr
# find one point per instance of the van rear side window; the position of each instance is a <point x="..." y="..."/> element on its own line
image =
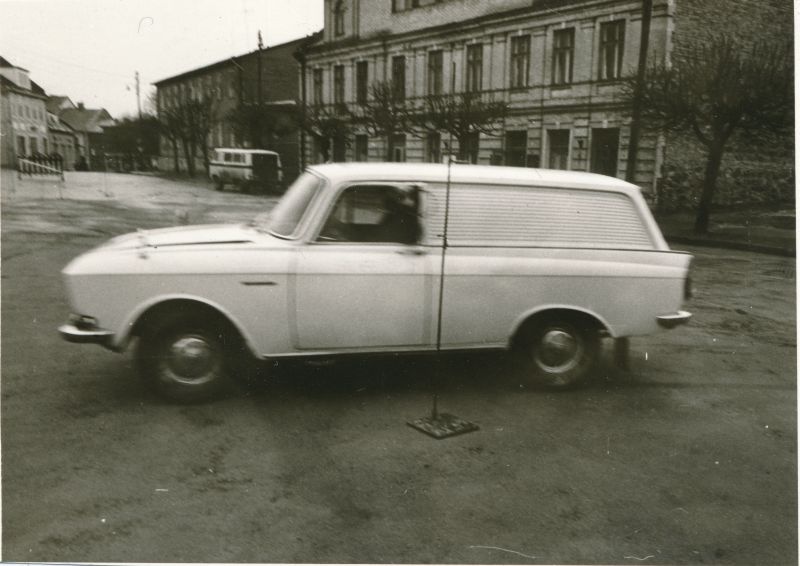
<point x="535" y="216"/>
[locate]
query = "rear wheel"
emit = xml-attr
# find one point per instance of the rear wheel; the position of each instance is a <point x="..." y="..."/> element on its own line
<point x="558" y="352"/>
<point x="185" y="358"/>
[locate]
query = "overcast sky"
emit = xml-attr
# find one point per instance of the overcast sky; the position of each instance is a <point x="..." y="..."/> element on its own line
<point x="89" y="50"/>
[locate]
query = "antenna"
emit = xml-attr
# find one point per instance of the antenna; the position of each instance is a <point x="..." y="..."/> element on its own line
<point x="443" y="425"/>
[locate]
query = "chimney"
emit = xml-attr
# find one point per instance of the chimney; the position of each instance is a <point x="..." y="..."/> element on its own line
<point x="80" y="106"/>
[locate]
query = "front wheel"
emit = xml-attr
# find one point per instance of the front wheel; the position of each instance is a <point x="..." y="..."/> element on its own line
<point x="219" y="184"/>
<point x="185" y="359"/>
<point x="558" y="352"/>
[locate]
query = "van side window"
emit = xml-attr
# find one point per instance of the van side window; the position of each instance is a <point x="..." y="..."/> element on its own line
<point x="373" y="214"/>
<point x="540" y="216"/>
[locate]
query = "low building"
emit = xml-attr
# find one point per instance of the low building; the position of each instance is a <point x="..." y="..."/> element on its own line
<point x="88" y="124"/>
<point x="559" y="65"/>
<point x="267" y="78"/>
<point x="63" y="141"/>
<point x="23" y="115"/>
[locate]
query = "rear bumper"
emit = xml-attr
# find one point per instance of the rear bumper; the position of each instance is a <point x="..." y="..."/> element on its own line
<point x="674" y="319"/>
<point x="72" y="333"/>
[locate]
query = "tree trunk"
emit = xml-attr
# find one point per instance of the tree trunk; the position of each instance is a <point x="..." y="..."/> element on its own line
<point x="713" y="164"/>
<point x="187" y="153"/>
<point x="175" y="157"/>
<point x="636" y="116"/>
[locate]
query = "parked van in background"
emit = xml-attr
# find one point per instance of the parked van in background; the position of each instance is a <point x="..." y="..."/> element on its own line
<point x="252" y="170"/>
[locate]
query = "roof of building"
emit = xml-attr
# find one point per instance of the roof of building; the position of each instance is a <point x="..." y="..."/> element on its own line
<point x="55" y="101"/>
<point x="9" y="85"/>
<point x="89" y="120"/>
<point x="6" y="63"/>
<point x="236" y="59"/>
<point x="483" y="174"/>
<point x="54" y="124"/>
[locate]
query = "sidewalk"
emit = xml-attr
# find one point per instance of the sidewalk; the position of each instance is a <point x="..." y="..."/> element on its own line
<point x="764" y="231"/>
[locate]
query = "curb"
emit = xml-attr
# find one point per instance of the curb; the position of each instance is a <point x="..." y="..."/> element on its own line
<point x="731" y="245"/>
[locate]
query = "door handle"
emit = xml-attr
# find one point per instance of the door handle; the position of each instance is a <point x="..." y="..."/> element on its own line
<point x="416" y="250"/>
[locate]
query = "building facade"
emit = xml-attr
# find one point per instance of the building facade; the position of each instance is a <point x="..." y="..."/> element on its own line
<point x="23" y="114"/>
<point x="267" y="77"/>
<point x="559" y="65"/>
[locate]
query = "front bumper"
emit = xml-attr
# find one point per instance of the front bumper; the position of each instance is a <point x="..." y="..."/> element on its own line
<point x="674" y="319"/>
<point x="72" y="333"/>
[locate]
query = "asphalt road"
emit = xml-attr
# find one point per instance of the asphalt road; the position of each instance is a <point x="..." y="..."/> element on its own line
<point x="689" y="457"/>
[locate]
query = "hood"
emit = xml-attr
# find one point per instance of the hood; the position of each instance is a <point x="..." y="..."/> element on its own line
<point x="210" y="234"/>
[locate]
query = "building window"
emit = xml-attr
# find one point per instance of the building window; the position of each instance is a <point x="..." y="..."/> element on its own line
<point x="471" y="147"/>
<point x="232" y="85"/>
<point x="362" y="147"/>
<point x="474" y="67"/>
<point x="612" y="46"/>
<point x="433" y="147"/>
<point x="21" y="146"/>
<point x="516" y="148"/>
<point x="317" y="94"/>
<point x="558" y="142"/>
<point x="563" y="51"/>
<point x="520" y="60"/>
<point x="399" y="77"/>
<point x="338" y="84"/>
<point x="338" y="17"/>
<point x="362" y="81"/>
<point x="398" y="148"/>
<point x="435" y="67"/>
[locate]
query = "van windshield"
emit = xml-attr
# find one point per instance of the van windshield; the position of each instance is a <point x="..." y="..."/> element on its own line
<point x="282" y="221"/>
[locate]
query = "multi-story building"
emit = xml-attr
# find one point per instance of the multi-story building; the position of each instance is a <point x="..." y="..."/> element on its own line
<point x="23" y="114"/>
<point x="233" y="83"/>
<point x="559" y="66"/>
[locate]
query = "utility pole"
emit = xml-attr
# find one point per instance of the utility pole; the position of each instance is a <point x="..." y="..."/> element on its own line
<point x="260" y="101"/>
<point x="636" y="117"/>
<point x="138" y="101"/>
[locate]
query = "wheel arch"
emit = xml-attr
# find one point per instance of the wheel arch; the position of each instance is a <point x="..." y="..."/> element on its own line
<point x="531" y="317"/>
<point x="147" y="313"/>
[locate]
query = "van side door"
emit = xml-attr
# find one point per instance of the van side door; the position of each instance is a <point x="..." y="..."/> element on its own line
<point x="364" y="282"/>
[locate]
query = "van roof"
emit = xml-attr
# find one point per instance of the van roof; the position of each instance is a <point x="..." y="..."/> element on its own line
<point x="241" y="150"/>
<point x="489" y="174"/>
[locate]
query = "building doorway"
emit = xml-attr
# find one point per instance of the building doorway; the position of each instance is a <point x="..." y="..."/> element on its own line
<point x="605" y="151"/>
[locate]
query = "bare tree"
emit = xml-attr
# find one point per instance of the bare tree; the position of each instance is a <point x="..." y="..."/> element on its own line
<point x="261" y="124"/>
<point x="170" y="121"/>
<point x="712" y="91"/>
<point x="201" y="116"/>
<point x="384" y="114"/>
<point x="461" y="115"/>
<point x="325" y="125"/>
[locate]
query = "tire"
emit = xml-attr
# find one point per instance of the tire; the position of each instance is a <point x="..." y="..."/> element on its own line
<point x="558" y="352"/>
<point x="185" y="358"/>
<point x="219" y="184"/>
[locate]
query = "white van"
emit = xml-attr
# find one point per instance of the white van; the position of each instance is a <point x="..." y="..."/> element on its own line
<point x="373" y="258"/>
<point x="256" y="170"/>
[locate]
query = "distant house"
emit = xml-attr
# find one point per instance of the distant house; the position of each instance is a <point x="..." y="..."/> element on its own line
<point x="88" y="124"/>
<point x="63" y="140"/>
<point x="23" y="115"/>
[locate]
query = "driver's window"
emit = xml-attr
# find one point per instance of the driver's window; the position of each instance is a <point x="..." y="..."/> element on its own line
<point x="375" y="214"/>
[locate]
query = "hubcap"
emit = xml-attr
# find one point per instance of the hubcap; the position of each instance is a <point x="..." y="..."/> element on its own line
<point x="558" y="351"/>
<point x="192" y="358"/>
